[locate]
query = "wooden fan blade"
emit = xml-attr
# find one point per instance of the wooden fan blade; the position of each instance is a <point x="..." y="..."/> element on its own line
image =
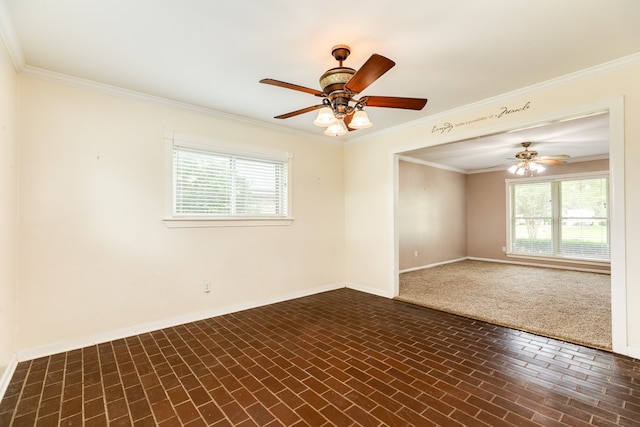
<point x="395" y="102"/>
<point x="550" y="161"/>
<point x="298" y="112"/>
<point x="292" y="86"/>
<point x="556" y="156"/>
<point x="375" y="67"/>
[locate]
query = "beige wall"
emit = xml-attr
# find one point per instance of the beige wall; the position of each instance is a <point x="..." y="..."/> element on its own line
<point x="94" y="254"/>
<point x="445" y="215"/>
<point x="8" y="200"/>
<point x="432" y="219"/>
<point x="487" y="212"/>
<point x="371" y="183"/>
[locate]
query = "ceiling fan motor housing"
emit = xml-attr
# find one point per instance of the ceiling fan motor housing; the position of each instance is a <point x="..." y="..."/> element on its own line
<point x="332" y="83"/>
<point x="526" y="155"/>
<point x="335" y="79"/>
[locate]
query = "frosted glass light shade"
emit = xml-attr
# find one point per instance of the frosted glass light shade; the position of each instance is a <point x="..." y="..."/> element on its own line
<point x="360" y="120"/>
<point x="336" y="129"/>
<point x="325" y="117"/>
<point x="526" y="167"/>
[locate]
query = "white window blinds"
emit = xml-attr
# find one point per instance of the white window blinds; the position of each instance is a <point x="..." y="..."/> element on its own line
<point x="217" y="184"/>
<point x="531" y="218"/>
<point x="584" y="218"/>
<point x="567" y="218"/>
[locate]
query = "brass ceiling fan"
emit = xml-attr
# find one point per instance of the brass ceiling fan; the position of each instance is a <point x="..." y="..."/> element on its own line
<point x="340" y="110"/>
<point x="529" y="162"/>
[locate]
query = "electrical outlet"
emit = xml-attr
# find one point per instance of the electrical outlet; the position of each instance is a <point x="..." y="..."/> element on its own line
<point x="206" y="288"/>
<point x="415" y="254"/>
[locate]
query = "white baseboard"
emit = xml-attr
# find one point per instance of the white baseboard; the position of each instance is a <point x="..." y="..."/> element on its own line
<point x="534" y="264"/>
<point x="69" y="345"/>
<point x="633" y="352"/>
<point x="64" y="346"/>
<point x="369" y="290"/>
<point x="422" y="267"/>
<point x="502" y="261"/>
<point x="5" y="379"/>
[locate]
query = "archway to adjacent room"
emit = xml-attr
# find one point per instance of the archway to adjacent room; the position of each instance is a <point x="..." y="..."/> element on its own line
<point x="616" y="170"/>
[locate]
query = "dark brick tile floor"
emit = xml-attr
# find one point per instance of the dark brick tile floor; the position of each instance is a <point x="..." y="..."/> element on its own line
<point x="340" y="358"/>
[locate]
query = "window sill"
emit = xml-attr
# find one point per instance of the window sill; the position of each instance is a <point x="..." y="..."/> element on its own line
<point x="225" y="222"/>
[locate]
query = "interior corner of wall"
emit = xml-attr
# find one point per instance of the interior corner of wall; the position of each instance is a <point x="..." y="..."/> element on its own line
<point x="388" y="293"/>
<point x="7" y="374"/>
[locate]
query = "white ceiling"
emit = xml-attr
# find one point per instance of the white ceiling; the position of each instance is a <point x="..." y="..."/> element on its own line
<point x="211" y="54"/>
<point x="582" y="138"/>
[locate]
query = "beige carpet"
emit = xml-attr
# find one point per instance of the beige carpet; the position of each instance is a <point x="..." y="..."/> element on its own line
<point x="569" y="305"/>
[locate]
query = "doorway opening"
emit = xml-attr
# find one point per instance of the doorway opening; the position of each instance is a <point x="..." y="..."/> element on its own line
<point x="610" y="113"/>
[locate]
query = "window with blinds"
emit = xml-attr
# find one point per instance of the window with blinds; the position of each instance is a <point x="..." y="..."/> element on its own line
<point x="564" y="218"/>
<point x="216" y="184"/>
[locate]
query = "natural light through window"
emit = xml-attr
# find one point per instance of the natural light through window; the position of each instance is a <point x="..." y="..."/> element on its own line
<point x="560" y="218"/>
<point x="212" y="184"/>
<point x="218" y="184"/>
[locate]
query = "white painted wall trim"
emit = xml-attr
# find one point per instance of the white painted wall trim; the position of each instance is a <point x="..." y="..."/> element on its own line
<point x="615" y="107"/>
<point x="619" y="317"/>
<point x="8" y="35"/>
<point x="528" y="264"/>
<point x="5" y="379"/>
<point x="577" y="76"/>
<point x="431" y="164"/>
<point x="369" y="290"/>
<point x="540" y="264"/>
<point x="633" y="352"/>
<point x="60" y="347"/>
<point x="422" y="267"/>
<point x="71" y="81"/>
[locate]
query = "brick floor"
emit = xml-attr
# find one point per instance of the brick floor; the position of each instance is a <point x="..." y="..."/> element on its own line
<point x="338" y="358"/>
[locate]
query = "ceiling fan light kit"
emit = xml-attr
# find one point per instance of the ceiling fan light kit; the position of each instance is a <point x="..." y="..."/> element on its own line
<point x="337" y="128"/>
<point x="528" y="161"/>
<point x="360" y="120"/>
<point x="526" y="167"/>
<point x="340" y="111"/>
<point x="325" y="117"/>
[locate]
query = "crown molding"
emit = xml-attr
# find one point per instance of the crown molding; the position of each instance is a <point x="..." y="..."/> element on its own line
<point x="8" y="35"/>
<point x="574" y="77"/>
<point x="10" y="38"/>
<point x="577" y="76"/>
<point x="64" y="79"/>
<point x="431" y="164"/>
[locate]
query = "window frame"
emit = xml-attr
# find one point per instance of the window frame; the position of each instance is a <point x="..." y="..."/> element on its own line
<point x="555" y="214"/>
<point x="172" y="220"/>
